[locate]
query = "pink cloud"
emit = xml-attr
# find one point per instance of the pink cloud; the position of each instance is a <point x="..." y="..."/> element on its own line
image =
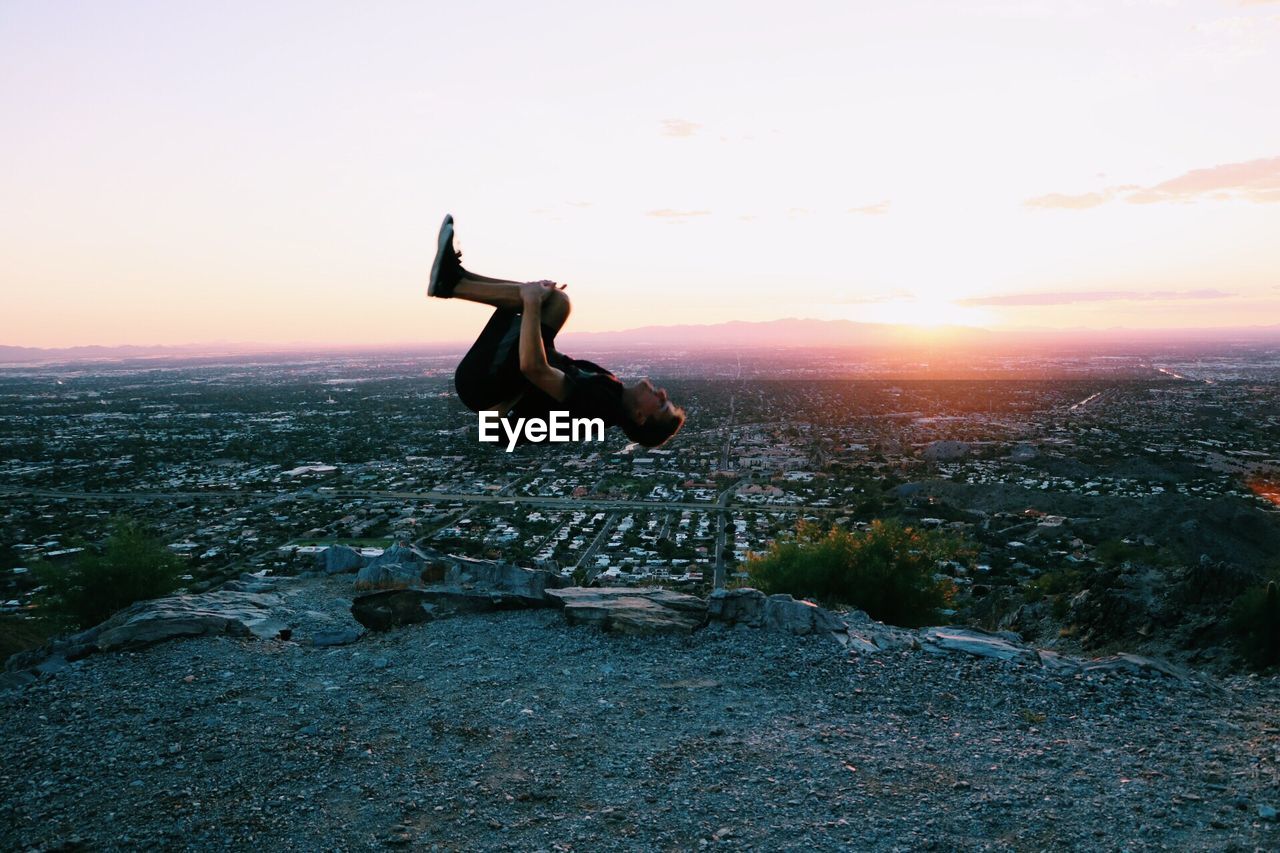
<point x="880" y="208"/>
<point x="1068" y="297"/>
<point x="679" y="127"/>
<point x="1254" y="180"/>
<point x="676" y="217"/>
<point x="1070" y="202"/>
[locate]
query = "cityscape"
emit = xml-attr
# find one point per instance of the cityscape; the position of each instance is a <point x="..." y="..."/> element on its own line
<point x="1045" y="464"/>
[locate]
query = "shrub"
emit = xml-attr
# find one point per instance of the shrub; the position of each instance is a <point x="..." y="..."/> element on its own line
<point x="132" y="566"/>
<point x="887" y="571"/>
<point x="17" y="634"/>
<point x="1255" y="619"/>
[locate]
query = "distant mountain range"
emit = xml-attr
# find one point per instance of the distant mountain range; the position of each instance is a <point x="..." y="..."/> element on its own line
<point x="846" y="333"/>
<point x="791" y="333"/>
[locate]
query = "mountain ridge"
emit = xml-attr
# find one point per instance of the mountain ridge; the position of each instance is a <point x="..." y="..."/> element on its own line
<point x="794" y="332"/>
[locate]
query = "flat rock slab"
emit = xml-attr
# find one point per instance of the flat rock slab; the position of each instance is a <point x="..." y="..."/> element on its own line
<point x="979" y="643"/>
<point x="631" y="611"/>
<point x="1135" y="665"/>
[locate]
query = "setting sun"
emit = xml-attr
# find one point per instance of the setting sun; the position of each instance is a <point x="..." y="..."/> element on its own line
<point x="927" y="313"/>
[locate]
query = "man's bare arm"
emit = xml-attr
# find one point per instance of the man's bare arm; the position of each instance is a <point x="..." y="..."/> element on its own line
<point x="533" y="355"/>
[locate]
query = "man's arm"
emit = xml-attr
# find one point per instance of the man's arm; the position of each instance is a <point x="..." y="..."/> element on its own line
<point x="533" y="355"/>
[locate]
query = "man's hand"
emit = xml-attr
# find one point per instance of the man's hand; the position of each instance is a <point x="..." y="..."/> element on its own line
<point x="538" y="291"/>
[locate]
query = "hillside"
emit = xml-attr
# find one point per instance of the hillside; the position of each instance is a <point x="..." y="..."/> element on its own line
<point x="511" y="730"/>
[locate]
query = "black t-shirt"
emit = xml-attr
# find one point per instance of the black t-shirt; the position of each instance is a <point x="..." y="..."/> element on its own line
<point x="593" y="392"/>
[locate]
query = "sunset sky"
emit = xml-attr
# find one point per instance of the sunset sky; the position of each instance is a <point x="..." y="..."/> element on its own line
<point x="175" y="172"/>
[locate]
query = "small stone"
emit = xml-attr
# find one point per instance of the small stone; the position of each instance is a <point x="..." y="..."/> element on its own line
<point x="1266" y="812"/>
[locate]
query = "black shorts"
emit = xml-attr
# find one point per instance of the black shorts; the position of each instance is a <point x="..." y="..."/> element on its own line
<point x="490" y="371"/>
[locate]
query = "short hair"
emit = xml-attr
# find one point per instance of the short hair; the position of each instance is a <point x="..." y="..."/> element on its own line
<point x="655" y="431"/>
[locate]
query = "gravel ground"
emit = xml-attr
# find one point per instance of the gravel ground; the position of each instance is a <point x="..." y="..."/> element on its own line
<point x="513" y="731"/>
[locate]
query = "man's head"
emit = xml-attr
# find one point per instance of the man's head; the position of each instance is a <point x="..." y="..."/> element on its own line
<point x="652" y="418"/>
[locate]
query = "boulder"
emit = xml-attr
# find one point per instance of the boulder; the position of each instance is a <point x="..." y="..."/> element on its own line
<point x="238" y="614"/>
<point x="786" y="614"/>
<point x="743" y="606"/>
<point x="491" y="574"/>
<point x="625" y="610"/>
<point x="389" y="576"/>
<point x="398" y="567"/>
<point x="337" y="559"/>
<point x="392" y="608"/>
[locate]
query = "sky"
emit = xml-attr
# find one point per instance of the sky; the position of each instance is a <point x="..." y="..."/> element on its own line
<point x="274" y="172"/>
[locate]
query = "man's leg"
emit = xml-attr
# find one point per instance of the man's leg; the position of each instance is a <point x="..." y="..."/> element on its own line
<point x="506" y="294"/>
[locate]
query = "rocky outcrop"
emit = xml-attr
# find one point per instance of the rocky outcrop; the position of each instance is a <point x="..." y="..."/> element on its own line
<point x="398" y="567"/>
<point x="466" y="573"/>
<point x="625" y="610"/>
<point x="389" y="576"/>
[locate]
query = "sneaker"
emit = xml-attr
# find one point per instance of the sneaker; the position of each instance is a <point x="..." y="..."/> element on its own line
<point x="447" y="269"/>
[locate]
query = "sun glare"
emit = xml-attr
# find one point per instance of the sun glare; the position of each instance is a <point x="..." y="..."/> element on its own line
<point x="925" y="313"/>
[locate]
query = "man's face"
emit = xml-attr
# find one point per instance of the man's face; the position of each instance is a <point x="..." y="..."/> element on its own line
<point x="651" y="401"/>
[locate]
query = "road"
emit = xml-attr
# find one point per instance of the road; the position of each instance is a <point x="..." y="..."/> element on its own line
<point x="435" y="497"/>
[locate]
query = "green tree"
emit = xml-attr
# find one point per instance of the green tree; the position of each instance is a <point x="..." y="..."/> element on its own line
<point x="887" y="571"/>
<point x="131" y="566"/>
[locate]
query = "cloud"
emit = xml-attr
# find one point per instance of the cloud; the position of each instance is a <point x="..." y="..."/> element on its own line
<point x="679" y="127"/>
<point x="1069" y="297"/>
<point x="676" y="217"/>
<point x="1070" y="202"/>
<point x="1253" y="180"/>
<point x="880" y="208"/>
